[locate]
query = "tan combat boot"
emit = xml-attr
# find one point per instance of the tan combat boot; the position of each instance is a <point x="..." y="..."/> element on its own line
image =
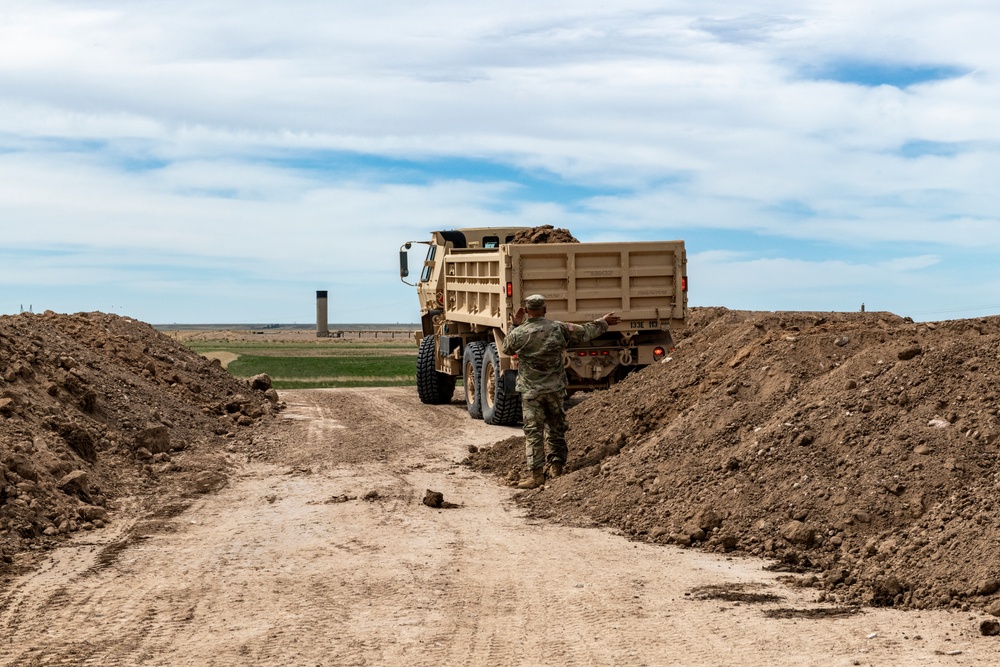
<point x="555" y="469"/>
<point x="537" y="479"/>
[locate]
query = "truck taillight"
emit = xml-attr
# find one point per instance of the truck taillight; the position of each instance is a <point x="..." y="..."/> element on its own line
<point x="684" y="284"/>
<point x="510" y="289"/>
<point x="659" y="353"/>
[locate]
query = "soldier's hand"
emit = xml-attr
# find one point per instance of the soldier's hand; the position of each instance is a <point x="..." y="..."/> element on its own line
<point x="518" y="317"/>
<point x="611" y="318"/>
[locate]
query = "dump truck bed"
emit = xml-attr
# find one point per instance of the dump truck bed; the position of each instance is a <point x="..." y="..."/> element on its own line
<point x="643" y="282"/>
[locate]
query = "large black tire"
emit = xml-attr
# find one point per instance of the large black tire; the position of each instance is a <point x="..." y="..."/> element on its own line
<point x="433" y="387"/>
<point x="472" y="372"/>
<point x="500" y="407"/>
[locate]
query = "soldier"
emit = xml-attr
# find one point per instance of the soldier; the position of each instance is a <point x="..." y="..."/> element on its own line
<point x="541" y="379"/>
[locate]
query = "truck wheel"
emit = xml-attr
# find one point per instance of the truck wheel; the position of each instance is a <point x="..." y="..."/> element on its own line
<point x="432" y="387"/>
<point x="500" y="407"/>
<point x="472" y="371"/>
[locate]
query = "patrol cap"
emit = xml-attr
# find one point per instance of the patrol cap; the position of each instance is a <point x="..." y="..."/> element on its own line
<point x="534" y="302"/>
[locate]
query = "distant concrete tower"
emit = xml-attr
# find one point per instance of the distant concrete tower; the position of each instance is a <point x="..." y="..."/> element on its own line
<point x="322" y="327"/>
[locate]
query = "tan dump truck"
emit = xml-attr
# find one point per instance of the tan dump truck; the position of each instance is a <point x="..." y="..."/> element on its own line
<point x="474" y="280"/>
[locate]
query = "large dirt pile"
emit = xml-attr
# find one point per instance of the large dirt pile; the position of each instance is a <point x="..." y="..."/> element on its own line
<point x="860" y="449"/>
<point x="544" y="234"/>
<point x="97" y="407"/>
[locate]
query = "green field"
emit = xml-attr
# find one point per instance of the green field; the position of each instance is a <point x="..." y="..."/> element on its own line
<point x="316" y="365"/>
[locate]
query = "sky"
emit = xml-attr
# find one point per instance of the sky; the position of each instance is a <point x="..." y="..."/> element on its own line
<point x="220" y="161"/>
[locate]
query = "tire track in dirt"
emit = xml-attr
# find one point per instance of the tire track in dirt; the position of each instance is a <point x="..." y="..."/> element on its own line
<point x="50" y="597"/>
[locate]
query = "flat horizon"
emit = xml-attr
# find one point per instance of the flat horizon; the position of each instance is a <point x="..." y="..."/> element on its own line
<point x="286" y="326"/>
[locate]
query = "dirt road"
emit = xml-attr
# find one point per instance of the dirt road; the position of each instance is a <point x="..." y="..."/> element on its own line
<point x="325" y="555"/>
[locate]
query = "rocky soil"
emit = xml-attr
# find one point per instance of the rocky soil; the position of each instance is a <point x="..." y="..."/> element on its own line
<point x="859" y="451"/>
<point x="856" y="451"/>
<point x="96" y="408"/>
<point x="328" y="549"/>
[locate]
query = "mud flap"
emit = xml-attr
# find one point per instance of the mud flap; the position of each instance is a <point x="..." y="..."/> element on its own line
<point x="510" y="382"/>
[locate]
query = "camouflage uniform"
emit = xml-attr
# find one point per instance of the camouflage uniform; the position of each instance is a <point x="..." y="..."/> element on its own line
<point x="541" y="378"/>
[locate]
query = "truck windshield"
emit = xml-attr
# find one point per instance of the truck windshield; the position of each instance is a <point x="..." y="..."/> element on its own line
<point x="425" y="275"/>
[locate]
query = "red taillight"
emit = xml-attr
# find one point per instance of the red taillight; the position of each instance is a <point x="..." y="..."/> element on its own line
<point x="604" y="353"/>
<point x="581" y="354"/>
<point x="658" y="352"/>
<point x="684" y="284"/>
<point x="510" y="289"/>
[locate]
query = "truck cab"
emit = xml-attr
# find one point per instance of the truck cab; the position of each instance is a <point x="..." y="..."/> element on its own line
<point x="431" y="285"/>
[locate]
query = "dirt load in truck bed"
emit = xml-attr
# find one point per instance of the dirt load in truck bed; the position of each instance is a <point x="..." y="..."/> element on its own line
<point x="857" y="450"/>
<point x="544" y="234"/>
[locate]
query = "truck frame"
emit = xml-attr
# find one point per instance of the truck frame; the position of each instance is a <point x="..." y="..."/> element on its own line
<point x="473" y="280"/>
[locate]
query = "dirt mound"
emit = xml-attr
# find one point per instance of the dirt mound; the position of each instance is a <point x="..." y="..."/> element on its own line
<point x="859" y="450"/>
<point x="544" y="234"/>
<point x="95" y="407"/>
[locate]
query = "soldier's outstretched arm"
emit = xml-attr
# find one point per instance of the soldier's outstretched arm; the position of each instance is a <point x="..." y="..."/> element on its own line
<point x="581" y="333"/>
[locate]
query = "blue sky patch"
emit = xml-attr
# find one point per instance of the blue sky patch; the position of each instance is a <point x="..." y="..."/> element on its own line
<point x="139" y="163"/>
<point x="921" y="148"/>
<point x="130" y="156"/>
<point x="873" y="73"/>
<point x="763" y="245"/>
<point x="533" y="184"/>
<point x="15" y="143"/>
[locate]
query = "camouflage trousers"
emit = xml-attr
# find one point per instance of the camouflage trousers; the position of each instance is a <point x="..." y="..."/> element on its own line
<point x="544" y="429"/>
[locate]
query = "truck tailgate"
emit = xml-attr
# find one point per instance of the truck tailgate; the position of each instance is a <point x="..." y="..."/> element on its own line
<point x="641" y="281"/>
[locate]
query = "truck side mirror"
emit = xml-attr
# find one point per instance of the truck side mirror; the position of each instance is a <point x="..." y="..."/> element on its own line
<point x="404" y="270"/>
<point x="404" y="266"/>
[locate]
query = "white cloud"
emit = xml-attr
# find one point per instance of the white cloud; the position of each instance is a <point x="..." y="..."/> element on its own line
<point x="732" y="279"/>
<point x="179" y="132"/>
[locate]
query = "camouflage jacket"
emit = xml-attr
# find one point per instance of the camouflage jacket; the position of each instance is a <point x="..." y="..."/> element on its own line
<point x="539" y="344"/>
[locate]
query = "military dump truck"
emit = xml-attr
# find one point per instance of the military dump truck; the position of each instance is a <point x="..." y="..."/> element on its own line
<point x="474" y="280"/>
